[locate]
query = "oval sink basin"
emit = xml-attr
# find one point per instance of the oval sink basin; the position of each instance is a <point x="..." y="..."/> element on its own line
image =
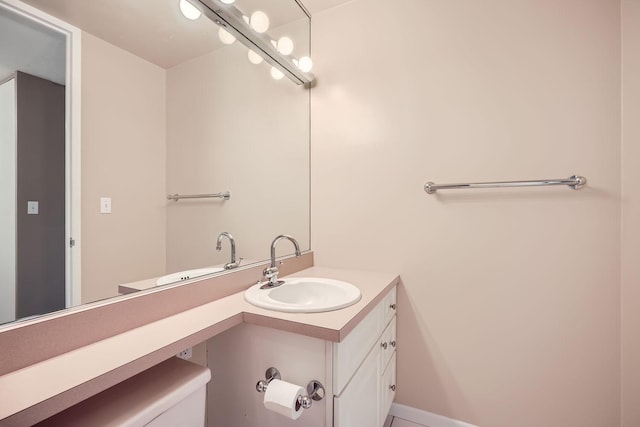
<point x="304" y="295"/>
<point x="186" y="275"/>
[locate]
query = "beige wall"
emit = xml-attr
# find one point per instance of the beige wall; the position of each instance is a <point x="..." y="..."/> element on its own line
<point x="201" y="127"/>
<point x="631" y="212"/>
<point x="230" y="126"/>
<point x="123" y="157"/>
<point x="510" y="310"/>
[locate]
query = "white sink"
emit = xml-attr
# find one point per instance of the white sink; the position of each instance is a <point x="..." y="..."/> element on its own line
<point x="186" y="275"/>
<point x="304" y="295"/>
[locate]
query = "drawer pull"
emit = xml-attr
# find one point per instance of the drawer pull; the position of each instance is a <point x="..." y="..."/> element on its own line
<point x="392" y="387"/>
<point x="392" y="306"/>
<point x="393" y="344"/>
<point x="383" y="345"/>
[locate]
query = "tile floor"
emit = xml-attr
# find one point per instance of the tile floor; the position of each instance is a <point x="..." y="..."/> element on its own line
<point x="399" y="422"/>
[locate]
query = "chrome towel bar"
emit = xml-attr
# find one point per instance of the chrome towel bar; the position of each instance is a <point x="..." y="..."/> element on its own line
<point x="175" y="197"/>
<point x="576" y="182"/>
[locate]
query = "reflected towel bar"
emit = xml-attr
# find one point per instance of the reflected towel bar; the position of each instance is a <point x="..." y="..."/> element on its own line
<point x="175" y="197"/>
<point x="576" y="182"/>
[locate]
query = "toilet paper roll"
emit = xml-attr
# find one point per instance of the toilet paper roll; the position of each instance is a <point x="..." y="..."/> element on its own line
<point x="282" y="397"/>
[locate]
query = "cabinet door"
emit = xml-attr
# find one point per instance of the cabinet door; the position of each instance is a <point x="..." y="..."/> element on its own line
<point x="388" y="388"/>
<point x="359" y="403"/>
<point x="349" y="354"/>
<point x="351" y="351"/>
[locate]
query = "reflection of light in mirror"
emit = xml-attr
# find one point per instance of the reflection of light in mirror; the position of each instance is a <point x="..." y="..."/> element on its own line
<point x="189" y="10"/>
<point x="254" y="58"/>
<point x="225" y="36"/>
<point x="285" y="45"/>
<point x="304" y="64"/>
<point x="276" y="74"/>
<point x="259" y="21"/>
<point x="227" y="1"/>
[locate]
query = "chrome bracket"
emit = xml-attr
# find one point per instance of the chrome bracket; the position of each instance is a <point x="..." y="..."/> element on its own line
<point x="270" y="375"/>
<point x="581" y="181"/>
<point x="315" y="390"/>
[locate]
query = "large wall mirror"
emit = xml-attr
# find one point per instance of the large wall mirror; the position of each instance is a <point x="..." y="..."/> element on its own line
<point x="166" y="107"/>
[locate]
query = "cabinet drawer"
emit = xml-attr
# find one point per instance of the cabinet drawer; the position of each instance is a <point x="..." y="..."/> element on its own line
<point x="388" y="388"/>
<point x="389" y="305"/>
<point x="388" y="344"/>
<point x="349" y="354"/>
<point x="357" y="406"/>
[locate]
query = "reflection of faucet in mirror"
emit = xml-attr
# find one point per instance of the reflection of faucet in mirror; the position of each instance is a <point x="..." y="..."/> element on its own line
<point x="232" y="264"/>
<point x="271" y="273"/>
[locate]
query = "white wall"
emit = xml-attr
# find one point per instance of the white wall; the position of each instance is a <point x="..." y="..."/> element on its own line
<point x="203" y="126"/>
<point x="230" y="126"/>
<point x="8" y="201"/>
<point x="123" y="157"/>
<point x="509" y="313"/>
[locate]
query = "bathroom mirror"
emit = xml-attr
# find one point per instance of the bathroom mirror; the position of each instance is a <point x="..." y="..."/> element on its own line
<point x="168" y="108"/>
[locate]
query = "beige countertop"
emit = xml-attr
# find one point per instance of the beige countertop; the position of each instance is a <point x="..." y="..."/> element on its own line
<point x="31" y="385"/>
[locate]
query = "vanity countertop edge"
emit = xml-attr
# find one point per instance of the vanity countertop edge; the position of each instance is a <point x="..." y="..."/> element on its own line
<point x="68" y="378"/>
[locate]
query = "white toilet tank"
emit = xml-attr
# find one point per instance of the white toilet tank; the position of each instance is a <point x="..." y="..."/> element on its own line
<point x="171" y="394"/>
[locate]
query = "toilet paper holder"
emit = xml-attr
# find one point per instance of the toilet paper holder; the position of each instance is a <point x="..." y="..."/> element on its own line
<point x="315" y="389"/>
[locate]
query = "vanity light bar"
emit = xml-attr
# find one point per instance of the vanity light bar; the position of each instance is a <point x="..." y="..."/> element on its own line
<point x="231" y="19"/>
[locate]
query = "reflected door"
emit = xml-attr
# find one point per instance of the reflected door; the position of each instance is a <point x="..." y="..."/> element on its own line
<point x="40" y="207"/>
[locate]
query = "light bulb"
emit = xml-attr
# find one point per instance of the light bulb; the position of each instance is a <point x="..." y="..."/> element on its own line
<point x="259" y="21"/>
<point x="305" y="64"/>
<point x="225" y="36"/>
<point x="254" y="58"/>
<point x="189" y="10"/>
<point x="285" y="45"/>
<point x="276" y="74"/>
<point x="227" y="1"/>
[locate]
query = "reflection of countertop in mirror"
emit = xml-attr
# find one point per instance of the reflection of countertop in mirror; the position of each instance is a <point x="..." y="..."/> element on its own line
<point x="141" y="285"/>
<point x="94" y="367"/>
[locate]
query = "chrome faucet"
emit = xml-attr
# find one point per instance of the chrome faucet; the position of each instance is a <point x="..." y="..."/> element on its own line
<point x="232" y="264"/>
<point x="271" y="273"/>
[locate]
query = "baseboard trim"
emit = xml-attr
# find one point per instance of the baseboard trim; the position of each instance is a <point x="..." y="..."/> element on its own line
<point x="424" y="418"/>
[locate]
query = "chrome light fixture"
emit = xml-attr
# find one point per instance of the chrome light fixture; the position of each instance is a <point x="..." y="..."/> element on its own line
<point x="251" y="33"/>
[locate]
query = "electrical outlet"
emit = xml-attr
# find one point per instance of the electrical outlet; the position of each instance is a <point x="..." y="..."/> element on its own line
<point x="185" y="354"/>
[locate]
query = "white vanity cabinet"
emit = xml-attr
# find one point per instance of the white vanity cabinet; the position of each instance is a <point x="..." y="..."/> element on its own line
<point x="358" y="373"/>
<point x="364" y="369"/>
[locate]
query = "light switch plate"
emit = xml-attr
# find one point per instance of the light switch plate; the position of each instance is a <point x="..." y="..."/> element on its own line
<point x="32" y="207"/>
<point x="105" y="205"/>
